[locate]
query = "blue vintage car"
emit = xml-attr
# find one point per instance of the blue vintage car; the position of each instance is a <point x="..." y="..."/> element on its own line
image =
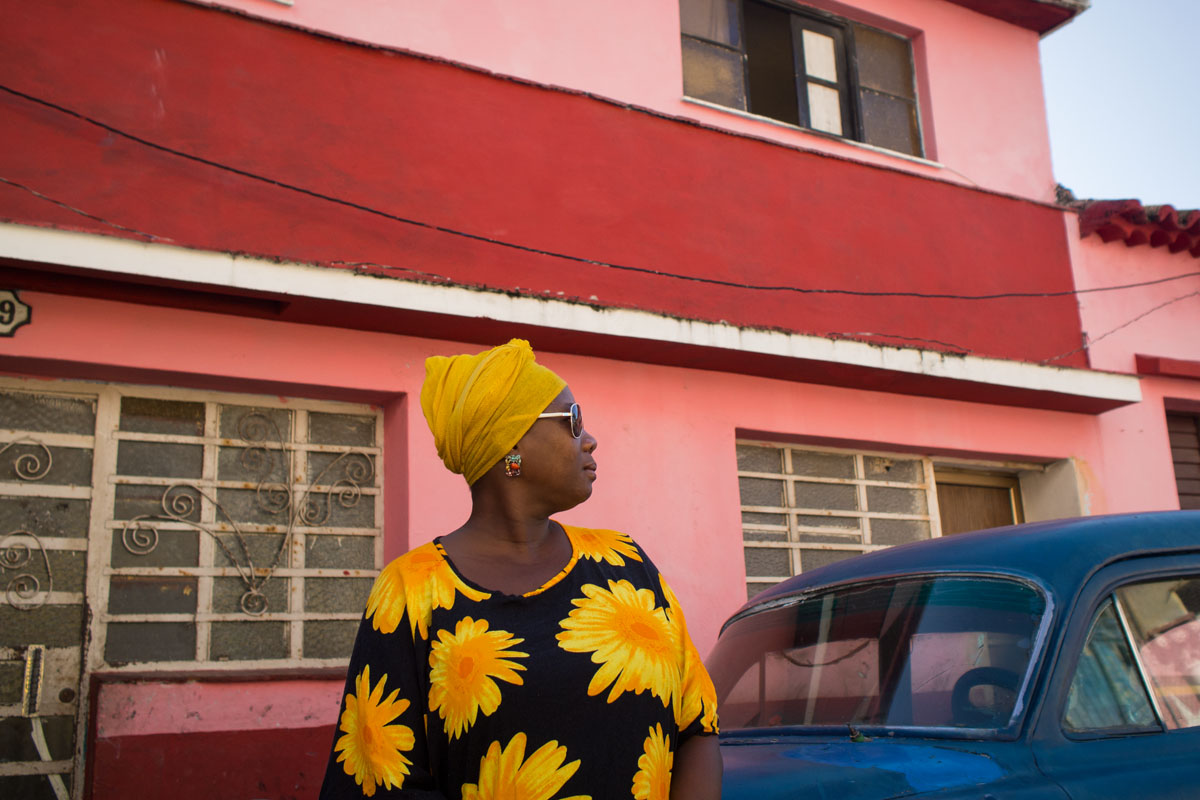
<point x="1050" y="660"/>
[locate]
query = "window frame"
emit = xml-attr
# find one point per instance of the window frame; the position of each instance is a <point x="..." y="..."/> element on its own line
<point x="845" y="50"/>
<point x="986" y="473"/>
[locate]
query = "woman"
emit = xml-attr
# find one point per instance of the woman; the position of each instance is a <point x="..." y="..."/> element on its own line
<point x="517" y="657"/>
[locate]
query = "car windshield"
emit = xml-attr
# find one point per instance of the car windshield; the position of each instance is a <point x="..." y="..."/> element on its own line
<point x="923" y="652"/>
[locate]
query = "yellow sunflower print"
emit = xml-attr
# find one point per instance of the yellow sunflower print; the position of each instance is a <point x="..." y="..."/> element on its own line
<point x="652" y="781"/>
<point x="507" y="775"/>
<point x="628" y="635"/>
<point x="465" y="666"/>
<point x="602" y="545"/>
<point x="698" y="696"/>
<point x="421" y="580"/>
<point x="371" y="746"/>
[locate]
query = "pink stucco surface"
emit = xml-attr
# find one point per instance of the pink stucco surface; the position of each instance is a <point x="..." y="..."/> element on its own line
<point x="979" y="78"/>
<point x="145" y="709"/>
<point x="667" y="468"/>
<point x="1160" y="320"/>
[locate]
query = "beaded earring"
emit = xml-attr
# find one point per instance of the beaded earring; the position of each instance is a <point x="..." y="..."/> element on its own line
<point x="512" y="465"/>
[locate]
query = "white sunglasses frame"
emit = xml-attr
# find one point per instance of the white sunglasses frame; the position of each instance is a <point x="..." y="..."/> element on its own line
<point x="575" y="412"/>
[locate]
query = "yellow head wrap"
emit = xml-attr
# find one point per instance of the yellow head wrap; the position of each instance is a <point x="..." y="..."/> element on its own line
<point x="479" y="406"/>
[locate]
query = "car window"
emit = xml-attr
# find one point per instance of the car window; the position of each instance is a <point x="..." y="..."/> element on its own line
<point x="1162" y="621"/>
<point x="1107" y="693"/>
<point x="927" y="652"/>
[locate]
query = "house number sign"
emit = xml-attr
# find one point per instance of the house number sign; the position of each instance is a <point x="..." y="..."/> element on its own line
<point x="13" y="313"/>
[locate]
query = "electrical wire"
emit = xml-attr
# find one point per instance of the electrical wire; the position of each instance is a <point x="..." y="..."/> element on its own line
<point x="578" y="259"/>
<point x="81" y="212"/>
<point x="363" y="267"/>
<point x="1106" y="334"/>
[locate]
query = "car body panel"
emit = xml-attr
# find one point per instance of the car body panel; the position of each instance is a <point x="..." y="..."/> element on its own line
<point x="1079" y="563"/>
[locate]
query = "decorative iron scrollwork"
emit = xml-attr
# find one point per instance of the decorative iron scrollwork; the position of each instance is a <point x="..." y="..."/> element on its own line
<point x="271" y="462"/>
<point x="24" y="591"/>
<point x="29" y="466"/>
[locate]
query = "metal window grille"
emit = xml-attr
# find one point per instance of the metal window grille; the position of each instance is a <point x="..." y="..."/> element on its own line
<point x="202" y="529"/>
<point x="804" y="507"/>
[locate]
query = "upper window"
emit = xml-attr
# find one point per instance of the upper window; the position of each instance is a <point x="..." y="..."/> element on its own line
<point x="802" y="67"/>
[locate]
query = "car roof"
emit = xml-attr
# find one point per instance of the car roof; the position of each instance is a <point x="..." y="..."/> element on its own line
<point x="1061" y="553"/>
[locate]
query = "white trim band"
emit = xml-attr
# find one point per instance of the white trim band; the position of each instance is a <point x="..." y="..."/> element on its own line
<point x="220" y="269"/>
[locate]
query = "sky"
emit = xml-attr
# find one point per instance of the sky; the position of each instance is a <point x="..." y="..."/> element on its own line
<point x="1121" y="85"/>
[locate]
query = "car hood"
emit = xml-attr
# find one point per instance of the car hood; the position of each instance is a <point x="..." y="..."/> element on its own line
<point x="777" y="767"/>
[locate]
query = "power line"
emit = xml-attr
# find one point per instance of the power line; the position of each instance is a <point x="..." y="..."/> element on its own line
<point x="565" y="256"/>
<point x="1126" y="324"/>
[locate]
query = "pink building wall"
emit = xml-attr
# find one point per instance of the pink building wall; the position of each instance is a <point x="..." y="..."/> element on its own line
<point x="1137" y="434"/>
<point x="979" y="77"/>
<point x="667" y="469"/>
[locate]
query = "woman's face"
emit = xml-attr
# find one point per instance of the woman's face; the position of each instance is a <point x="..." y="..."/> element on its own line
<point x="555" y="462"/>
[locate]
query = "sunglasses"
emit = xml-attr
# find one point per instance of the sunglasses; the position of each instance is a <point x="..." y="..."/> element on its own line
<point x="576" y="418"/>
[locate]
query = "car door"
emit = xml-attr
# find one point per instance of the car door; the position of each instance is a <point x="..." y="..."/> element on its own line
<point x="1122" y="710"/>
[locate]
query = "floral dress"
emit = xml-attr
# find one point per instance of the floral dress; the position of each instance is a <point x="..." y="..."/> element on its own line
<point x="582" y="688"/>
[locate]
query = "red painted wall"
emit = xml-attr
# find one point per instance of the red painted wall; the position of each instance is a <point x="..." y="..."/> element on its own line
<point x="278" y="764"/>
<point x="460" y="149"/>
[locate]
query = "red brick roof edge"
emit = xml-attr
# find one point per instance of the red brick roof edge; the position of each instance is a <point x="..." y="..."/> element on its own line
<point x="1133" y="223"/>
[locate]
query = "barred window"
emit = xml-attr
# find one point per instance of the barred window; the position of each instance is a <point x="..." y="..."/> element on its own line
<point x="805" y="507"/>
<point x="224" y="529"/>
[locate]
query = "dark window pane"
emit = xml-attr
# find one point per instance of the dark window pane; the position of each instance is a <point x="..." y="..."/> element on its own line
<point x="17" y="742"/>
<point x="336" y="594"/>
<point x="62" y="466"/>
<point x="228" y="596"/>
<point x="889" y="122"/>
<point x="884" y="62"/>
<point x="326" y="469"/>
<point x="160" y="459"/>
<point x="267" y="425"/>
<point x="754" y="458"/>
<point x="344" y="429"/>
<point x="147" y="415"/>
<point x="249" y="505"/>
<point x="713" y="73"/>
<point x="143" y="547"/>
<point x="880" y="468"/>
<point x="847" y="524"/>
<point x="822" y="465"/>
<point x="767" y="563"/>
<point x="770" y="64"/>
<point x="716" y="20"/>
<point x="253" y="464"/>
<point x="329" y="638"/>
<point x="244" y="641"/>
<point x="831" y="496"/>
<point x="138" y="594"/>
<point x="262" y="548"/>
<point x="45" y="516"/>
<point x="45" y="412"/>
<point x="339" y="552"/>
<point x="12" y="678"/>
<point x="762" y="518"/>
<point x="886" y="500"/>
<point x="812" y="559"/>
<point x="132" y="500"/>
<point x="763" y="536"/>
<point x="760" y="492"/>
<point x="754" y="588"/>
<point x="898" y="531"/>
<point x="51" y="625"/>
<point x="131" y="642"/>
